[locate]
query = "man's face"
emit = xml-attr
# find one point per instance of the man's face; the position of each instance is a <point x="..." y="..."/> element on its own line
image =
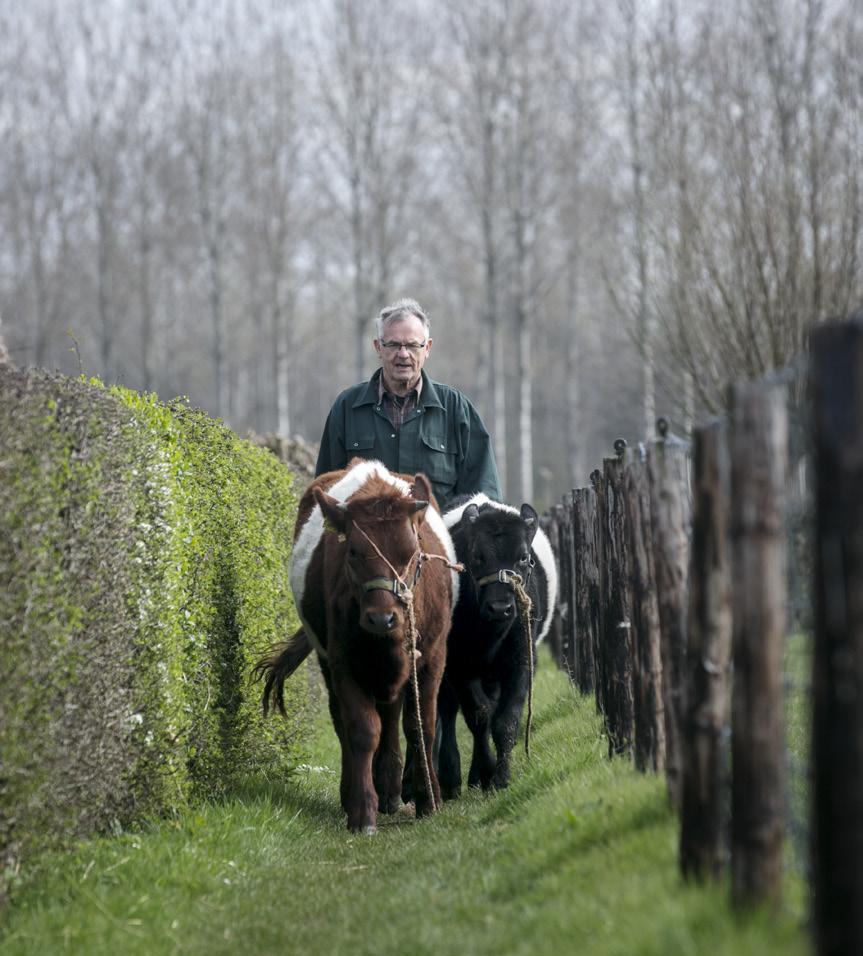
<point x="402" y="366"/>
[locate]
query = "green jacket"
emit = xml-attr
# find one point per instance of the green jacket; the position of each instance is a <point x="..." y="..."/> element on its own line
<point x="444" y="438"/>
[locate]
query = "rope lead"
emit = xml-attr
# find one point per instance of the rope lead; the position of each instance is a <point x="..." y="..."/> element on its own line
<point x="411" y="640"/>
<point x="525" y="606"/>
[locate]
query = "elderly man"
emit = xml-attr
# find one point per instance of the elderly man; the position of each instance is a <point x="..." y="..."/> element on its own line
<point x="406" y="420"/>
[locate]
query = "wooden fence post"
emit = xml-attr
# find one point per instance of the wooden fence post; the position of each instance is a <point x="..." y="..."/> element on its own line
<point x="669" y="511"/>
<point x="837" y="392"/>
<point x="586" y="585"/>
<point x="703" y="748"/>
<point x="564" y="532"/>
<point x="555" y="633"/>
<point x="759" y="453"/>
<point x="617" y="646"/>
<point x="646" y="663"/>
<point x="597" y="482"/>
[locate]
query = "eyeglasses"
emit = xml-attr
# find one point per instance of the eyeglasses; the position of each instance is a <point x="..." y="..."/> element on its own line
<point x="414" y="347"/>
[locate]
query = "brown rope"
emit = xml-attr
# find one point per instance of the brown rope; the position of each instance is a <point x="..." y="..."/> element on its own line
<point x="411" y="640"/>
<point x="525" y="606"/>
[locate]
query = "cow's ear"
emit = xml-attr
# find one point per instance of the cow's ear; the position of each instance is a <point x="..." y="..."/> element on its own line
<point x="531" y="519"/>
<point x="335" y="512"/>
<point x="470" y="514"/>
<point x="421" y="489"/>
<point x="419" y="510"/>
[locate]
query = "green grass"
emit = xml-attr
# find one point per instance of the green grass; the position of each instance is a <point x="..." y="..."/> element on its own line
<point x="578" y="856"/>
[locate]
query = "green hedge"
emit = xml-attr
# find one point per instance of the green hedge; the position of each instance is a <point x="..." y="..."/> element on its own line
<point x="143" y="570"/>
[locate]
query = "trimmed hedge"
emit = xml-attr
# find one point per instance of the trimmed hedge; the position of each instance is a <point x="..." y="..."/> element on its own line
<point x="143" y="571"/>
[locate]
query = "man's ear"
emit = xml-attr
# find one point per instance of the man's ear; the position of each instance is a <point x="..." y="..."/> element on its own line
<point x="377" y="345"/>
<point x="335" y="512"/>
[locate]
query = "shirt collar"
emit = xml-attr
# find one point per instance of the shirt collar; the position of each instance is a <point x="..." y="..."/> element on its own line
<point x="426" y="392"/>
<point x="382" y="389"/>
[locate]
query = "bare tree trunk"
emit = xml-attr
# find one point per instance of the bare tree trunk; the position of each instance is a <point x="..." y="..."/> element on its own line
<point x="637" y="167"/>
<point x="284" y="325"/>
<point x="103" y="258"/>
<point x="497" y="371"/>
<point x="572" y="418"/>
<point x="525" y="419"/>
<point x="357" y="243"/>
<point x="145" y="257"/>
<point x="214" y="296"/>
<point x="525" y="436"/>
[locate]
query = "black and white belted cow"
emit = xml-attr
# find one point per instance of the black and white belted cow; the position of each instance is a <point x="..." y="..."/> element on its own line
<point x="506" y="558"/>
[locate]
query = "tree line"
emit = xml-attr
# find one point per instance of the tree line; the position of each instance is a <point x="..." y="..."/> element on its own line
<point x="606" y="208"/>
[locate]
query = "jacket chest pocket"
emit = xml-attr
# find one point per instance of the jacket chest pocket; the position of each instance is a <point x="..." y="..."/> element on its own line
<point x="360" y="446"/>
<point x="438" y="459"/>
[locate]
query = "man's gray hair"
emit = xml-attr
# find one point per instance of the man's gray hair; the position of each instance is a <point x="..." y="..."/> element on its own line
<point x="401" y="309"/>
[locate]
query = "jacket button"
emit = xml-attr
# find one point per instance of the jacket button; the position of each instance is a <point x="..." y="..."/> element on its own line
<point x="443" y="446"/>
<point x="393" y="435"/>
<point x="356" y="444"/>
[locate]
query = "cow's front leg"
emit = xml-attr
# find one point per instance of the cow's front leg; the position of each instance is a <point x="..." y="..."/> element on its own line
<point x="477" y="709"/>
<point x="362" y="732"/>
<point x="387" y="767"/>
<point x="449" y="762"/>
<point x="504" y="724"/>
<point x="429" y="684"/>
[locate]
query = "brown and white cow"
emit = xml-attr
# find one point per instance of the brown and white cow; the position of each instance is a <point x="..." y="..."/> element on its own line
<point x="363" y="538"/>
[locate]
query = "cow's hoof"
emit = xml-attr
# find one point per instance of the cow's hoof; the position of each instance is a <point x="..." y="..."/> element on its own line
<point x="389" y="804"/>
<point x="425" y="808"/>
<point x="450" y="793"/>
<point x="367" y="828"/>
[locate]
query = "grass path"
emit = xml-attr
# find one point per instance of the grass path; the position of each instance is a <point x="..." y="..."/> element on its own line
<point x="578" y="856"/>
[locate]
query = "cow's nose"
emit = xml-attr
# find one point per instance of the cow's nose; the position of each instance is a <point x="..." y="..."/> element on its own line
<point x="501" y="609"/>
<point x="380" y="620"/>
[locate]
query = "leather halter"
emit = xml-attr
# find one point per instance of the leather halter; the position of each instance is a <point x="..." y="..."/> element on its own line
<point x="506" y="576"/>
<point x="397" y="585"/>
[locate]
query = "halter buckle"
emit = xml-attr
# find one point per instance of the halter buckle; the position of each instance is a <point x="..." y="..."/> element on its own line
<point x="503" y="576"/>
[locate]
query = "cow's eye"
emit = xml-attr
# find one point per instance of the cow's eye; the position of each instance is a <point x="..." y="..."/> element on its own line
<point x="524" y="559"/>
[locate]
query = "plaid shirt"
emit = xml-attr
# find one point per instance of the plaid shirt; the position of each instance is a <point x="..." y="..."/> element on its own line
<point x="398" y="407"/>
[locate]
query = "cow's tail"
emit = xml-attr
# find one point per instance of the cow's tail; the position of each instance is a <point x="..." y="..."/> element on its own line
<point x="277" y="666"/>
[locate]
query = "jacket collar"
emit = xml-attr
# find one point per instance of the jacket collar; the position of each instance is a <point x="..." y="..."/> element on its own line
<point x="428" y="392"/>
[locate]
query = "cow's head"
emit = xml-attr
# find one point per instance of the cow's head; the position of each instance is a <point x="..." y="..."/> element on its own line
<point x="379" y="533"/>
<point x="498" y="541"/>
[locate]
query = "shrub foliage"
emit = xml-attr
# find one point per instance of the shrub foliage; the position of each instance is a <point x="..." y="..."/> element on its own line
<point x="143" y="570"/>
